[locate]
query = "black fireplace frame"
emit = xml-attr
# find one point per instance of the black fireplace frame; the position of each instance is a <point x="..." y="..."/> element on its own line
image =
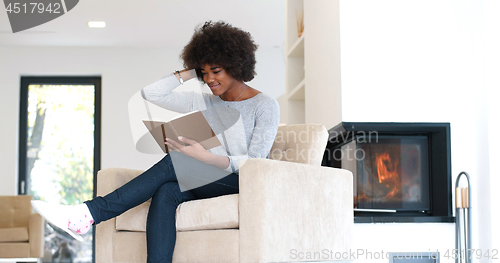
<point x="440" y="189"/>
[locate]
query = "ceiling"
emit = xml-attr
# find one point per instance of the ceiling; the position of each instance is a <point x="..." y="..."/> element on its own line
<point x="150" y="23"/>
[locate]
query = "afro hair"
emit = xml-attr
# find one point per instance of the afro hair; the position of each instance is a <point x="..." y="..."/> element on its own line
<point x="219" y="43"/>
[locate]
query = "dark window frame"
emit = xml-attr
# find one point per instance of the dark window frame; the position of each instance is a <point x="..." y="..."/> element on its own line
<point x="23" y="124"/>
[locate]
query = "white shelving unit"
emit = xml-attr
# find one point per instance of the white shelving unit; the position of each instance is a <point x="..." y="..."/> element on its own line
<point x="298" y="93"/>
<point x="295" y="65"/>
<point x="312" y="92"/>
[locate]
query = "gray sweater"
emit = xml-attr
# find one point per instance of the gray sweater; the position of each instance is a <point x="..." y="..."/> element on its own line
<point x="245" y="128"/>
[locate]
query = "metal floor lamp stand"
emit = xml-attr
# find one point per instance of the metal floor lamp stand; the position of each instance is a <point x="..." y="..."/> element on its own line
<point x="463" y="221"/>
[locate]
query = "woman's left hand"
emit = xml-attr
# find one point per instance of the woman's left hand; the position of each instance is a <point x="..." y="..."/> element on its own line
<point x="191" y="148"/>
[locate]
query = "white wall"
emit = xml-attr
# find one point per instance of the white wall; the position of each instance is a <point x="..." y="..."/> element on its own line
<point x="421" y="61"/>
<point x="124" y="71"/>
<point x="492" y="81"/>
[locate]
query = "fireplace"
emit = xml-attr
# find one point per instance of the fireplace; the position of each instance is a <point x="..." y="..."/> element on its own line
<point x="402" y="171"/>
<point x="392" y="172"/>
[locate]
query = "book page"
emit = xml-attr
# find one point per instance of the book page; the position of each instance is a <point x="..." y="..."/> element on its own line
<point x="194" y="126"/>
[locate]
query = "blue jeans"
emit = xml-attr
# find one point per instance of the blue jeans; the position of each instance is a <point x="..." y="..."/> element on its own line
<point x="159" y="183"/>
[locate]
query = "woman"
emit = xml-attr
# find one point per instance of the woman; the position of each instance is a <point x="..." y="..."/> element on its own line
<point x="223" y="57"/>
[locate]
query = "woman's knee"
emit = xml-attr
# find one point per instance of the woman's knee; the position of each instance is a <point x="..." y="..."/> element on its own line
<point x="170" y="192"/>
<point x="168" y="188"/>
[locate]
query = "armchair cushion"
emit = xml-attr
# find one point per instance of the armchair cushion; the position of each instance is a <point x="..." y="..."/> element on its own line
<point x="208" y="214"/>
<point x="204" y="214"/>
<point x="300" y="143"/>
<point x="14" y="234"/>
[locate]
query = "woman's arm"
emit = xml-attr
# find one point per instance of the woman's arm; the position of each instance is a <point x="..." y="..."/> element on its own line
<point x="218" y="160"/>
<point x="161" y="92"/>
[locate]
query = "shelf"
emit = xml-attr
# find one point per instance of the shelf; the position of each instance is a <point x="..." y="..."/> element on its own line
<point x="297" y="49"/>
<point x="294" y="97"/>
<point x="298" y="93"/>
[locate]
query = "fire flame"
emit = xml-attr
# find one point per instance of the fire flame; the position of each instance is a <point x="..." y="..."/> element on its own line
<point x="388" y="172"/>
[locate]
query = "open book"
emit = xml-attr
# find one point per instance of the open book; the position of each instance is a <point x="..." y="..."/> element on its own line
<point x="193" y="126"/>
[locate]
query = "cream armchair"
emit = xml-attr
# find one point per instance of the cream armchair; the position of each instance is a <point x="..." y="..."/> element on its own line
<point x="21" y="232"/>
<point x="287" y="206"/>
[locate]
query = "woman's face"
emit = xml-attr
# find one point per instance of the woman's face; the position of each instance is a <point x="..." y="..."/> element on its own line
<point x="216" y="78"/>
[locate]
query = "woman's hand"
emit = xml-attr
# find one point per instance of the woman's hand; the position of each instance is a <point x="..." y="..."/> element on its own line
<point x="193" y="149"/>
<point x="190" y="148"/>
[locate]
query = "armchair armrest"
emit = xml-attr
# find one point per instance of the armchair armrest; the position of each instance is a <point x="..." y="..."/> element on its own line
<point x="36" y="229"/>
<point x="107" y="181"/>
<point x="111" y="178"/>
<point x="287" y="208"/>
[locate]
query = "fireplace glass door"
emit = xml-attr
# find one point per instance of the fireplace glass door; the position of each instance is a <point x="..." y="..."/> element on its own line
<point x="392" y="172"/>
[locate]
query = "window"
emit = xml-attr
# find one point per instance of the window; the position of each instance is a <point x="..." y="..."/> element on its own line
<point x="59" y="151"/>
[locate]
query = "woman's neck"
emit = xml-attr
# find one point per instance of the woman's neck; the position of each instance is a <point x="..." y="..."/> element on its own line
<point x="235" y="92"/>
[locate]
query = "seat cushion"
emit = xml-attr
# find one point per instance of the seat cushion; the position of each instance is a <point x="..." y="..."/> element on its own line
<point x="14" y="234"/>
<point x="204" y="214"/>
<point x="208" y="214"/>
